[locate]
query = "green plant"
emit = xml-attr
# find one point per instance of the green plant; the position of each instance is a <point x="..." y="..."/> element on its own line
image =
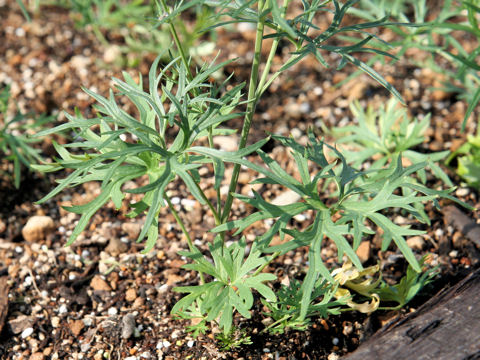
<point x="468" y="160"/>
<point x="234" y="339"/>
<point x="181" y="112"/>
<point x="135" y="22"/>
<point x="383" y="134"/>
<point x="15" y="137"/>
<point x="436" y="37"/>
<point x="407" y="288"/>
<point x="286" y="311"/>
<point x="464" y="80"/>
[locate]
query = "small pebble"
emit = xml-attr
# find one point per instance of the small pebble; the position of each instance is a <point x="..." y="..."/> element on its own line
<point x="300" y="217"/>
<point x="305" y="108"/>
<point x="19" y="32"/>
<point x="461" y="192"/>
<point x="317" y="90"/>
<point x="88" y="321"/>
<point x="55" y="321"/>
<point x="62" y="309"/>
<point x="335" y="341"/>
<point x="188" y="203"/>
<point x="27" y="332"/>
<point x="128" y="326"/>
<point x="416" y="243"/>
<point x="453" y="253"/>
<point x="190" y="343"/>
<point x="112" y="311"/>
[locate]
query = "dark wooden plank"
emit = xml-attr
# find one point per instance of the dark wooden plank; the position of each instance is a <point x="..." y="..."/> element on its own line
<point x="3" y="300"/>
<point x="447" y="327"/>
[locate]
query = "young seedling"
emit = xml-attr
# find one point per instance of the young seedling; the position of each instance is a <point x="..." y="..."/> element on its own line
<point x="181" y="110"/>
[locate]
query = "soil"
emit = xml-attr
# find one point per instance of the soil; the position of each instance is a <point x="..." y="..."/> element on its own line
<point x="78" y="302"/>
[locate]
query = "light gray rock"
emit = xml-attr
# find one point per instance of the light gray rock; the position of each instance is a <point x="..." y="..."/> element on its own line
<point x="128" y="326"/>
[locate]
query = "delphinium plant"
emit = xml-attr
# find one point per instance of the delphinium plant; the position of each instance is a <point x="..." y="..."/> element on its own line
<point x="438" y="37"/>
<point x="15" y="139"/>
<point x="467" y="159"/>
<point x="180" y="112"/>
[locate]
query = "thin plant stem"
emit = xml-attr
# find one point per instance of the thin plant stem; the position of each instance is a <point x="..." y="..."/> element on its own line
<point x="275" y="323"/>
<point x="98" y="33"/>
<point x="251" y="104"/>
<point x="183" y="55"/>
<point x="209" y="204"/>
<point x="273" y="257"/>
<point x="219" y="200"/>
<point x="180" y="222"/>
<point x="271" y="55"/>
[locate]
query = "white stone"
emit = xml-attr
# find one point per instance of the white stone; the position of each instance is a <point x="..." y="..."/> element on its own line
<point x="112" y="311"/>
<point x="63" y="309"/>
<point x="27" y="332"/>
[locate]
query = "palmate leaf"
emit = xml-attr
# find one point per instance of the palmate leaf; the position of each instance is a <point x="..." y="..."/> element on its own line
<point x="235" y="279"/>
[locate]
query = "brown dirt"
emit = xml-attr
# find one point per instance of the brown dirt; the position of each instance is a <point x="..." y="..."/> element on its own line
<point x="76" y="300"/>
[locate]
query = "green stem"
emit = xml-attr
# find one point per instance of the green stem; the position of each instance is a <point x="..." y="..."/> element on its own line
<point x="177" y="42"/>
<point x="179" y="221"/>
<point x="271" y="55"/>
<point x="251" y="104"/>
<point x="209" y="204"/>
<point x="219" y="200"/>
<point x="273" y="257"/>
<point x="275" y="323"/>
<point x="98" y="33"/>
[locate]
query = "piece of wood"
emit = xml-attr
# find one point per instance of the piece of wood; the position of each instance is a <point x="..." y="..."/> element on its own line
<point x="3" y="300"/>
<point x="447" y="327"/>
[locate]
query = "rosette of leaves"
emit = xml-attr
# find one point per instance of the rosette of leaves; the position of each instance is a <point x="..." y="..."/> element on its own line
<point x="234" y="274"/>
<point x="104" y="154"/>
<point x="383" y="135"/>
<point x="362" y="197"/>
<point x="467" y="157"/>
<point x="285" y="312"/>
